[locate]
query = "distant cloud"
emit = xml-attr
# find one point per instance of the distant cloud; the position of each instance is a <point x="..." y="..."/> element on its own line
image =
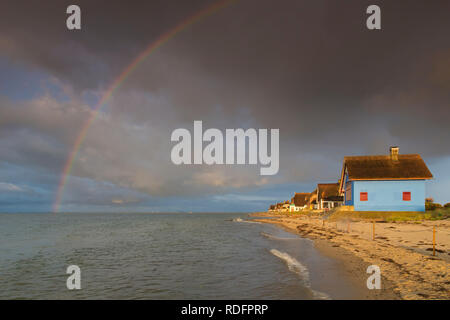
<point x="241" y="197"/>
<point x="10" y="187"/>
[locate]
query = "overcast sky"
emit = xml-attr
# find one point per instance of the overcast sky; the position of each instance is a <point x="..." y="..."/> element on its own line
<point x="310" y="68"/>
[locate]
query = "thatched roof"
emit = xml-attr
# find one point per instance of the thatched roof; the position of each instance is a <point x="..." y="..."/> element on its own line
<point x="313" y="197"/>
<point x="408" y="166"/>
<point x="300" y="199"/>
<point x="385" y="167"/>
<point x="328" y="192"/>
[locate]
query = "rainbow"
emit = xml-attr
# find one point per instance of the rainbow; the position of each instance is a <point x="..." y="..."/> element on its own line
<point x="165" y="37"/>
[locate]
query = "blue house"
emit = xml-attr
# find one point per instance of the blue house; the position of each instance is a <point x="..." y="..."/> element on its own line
<point x="393" y="182"/>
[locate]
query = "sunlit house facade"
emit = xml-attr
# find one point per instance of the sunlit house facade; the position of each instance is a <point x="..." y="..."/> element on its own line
<point x="391" y="182"/>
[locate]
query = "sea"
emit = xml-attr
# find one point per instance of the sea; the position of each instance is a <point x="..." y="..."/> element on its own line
<point x="162" y="256"/>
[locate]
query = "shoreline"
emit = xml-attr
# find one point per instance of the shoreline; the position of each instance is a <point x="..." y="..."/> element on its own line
<point x="406" y="274"/>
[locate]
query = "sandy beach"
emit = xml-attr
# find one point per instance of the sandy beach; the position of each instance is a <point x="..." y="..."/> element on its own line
<point x="402" y="250"/>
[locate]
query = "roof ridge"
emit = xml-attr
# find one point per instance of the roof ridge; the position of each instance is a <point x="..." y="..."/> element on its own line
<point x="383" y="155"/>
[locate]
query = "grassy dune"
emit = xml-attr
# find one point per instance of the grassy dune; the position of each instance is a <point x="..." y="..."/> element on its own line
<point x="438" y="214"/>
<point x="380" y="216"/>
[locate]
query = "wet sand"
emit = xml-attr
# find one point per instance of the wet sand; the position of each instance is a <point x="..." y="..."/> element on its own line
<point x="401" y="250"/>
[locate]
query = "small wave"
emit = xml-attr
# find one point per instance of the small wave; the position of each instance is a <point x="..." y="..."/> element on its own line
<point x="242" y="220"/>
<point x="295" y="266"/>
<point x="269" y="236"/>
<point x="320" y="295"/>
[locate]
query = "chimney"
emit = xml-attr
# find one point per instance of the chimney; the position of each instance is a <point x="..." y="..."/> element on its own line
<point x="394" y="153"/>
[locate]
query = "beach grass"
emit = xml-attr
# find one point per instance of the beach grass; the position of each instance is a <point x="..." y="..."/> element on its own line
<point x="379" y="216"/>
<point x="391" y="216"/>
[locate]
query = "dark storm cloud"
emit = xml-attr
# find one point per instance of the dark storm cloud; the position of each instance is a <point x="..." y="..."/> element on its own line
<point x="310" y="68"/>
<point x="113" y="33"/>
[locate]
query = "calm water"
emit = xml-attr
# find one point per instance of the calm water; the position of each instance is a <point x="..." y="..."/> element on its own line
<point x="161" y="256"/>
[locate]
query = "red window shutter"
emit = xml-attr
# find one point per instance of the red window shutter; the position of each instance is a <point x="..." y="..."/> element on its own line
<point x="363" y="196"/>
<point x="406" y="196"/>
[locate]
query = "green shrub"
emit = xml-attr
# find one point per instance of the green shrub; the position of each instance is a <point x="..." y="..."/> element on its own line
<point x="429" y="206"/>
<point x="440" y="214"/>
<point x="447" y="205"/>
